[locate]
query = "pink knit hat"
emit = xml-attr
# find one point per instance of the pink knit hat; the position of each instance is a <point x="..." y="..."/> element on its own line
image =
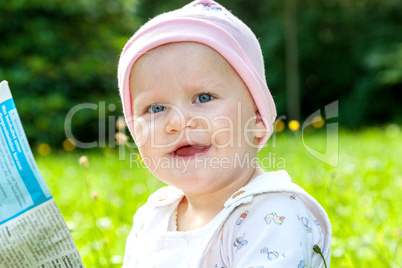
<point x="208" y="23"/>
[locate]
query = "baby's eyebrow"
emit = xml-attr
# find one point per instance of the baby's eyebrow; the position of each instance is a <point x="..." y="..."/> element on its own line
<point x="141" y="102"/>
<point x="145" y="98"/>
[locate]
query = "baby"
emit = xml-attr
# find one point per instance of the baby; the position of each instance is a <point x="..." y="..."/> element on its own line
<point x="192" y="83"/>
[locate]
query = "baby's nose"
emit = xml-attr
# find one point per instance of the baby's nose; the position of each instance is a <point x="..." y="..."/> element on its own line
<point x="179" y="120"/>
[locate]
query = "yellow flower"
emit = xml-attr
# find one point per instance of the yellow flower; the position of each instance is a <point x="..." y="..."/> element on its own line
<point x="294" y="125"/>
<point x="318" y="121"/>
<point x="279" y="125"/>
<point x="69" y="145"/>
<point x="44" y="149"/>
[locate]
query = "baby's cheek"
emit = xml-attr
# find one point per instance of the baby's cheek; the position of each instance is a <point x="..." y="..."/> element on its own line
<point x="223" y="134"/>
<point x="141" y="131"/>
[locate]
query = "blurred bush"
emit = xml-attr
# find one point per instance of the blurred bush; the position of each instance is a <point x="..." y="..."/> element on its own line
<point x="58" y="53"/>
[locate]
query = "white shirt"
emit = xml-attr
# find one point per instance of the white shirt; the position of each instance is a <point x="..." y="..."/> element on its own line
<point x="270" y="222"/>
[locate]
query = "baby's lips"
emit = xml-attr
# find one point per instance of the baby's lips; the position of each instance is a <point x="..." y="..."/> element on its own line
<point x="189" y="150"/>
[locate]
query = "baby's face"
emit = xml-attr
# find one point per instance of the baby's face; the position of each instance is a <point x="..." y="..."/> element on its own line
<point x="196" y="125"/>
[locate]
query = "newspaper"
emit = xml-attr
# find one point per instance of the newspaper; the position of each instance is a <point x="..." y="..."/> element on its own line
<point x="33" y="233"/>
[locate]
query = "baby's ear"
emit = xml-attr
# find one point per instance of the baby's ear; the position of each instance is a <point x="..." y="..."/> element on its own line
<point x="260" y="129"/>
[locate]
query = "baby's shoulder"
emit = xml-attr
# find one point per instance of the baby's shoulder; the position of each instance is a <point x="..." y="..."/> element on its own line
<point x="274" y="216"/>
<point x="269" y="207"/>
<point x="163" y="197"/>
<point x="272" y="182"/>
<point x="272" y="198"/>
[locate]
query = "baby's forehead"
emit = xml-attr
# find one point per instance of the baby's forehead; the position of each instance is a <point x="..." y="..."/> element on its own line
<point x="173" y="52"/>
<point x="176" y="48"/>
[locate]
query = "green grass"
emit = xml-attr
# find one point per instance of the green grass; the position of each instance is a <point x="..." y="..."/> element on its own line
<point x="362" y="195"/>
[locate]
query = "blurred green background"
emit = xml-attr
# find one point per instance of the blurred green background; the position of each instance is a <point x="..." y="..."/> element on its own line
<point x="57" y="54"/>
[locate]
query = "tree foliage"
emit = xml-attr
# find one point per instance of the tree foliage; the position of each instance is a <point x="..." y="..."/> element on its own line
<point x="57" y="54"/>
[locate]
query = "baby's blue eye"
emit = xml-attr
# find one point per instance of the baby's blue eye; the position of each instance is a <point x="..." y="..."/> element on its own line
<point x="156" y="108"/>
<point x="203" y="98"/>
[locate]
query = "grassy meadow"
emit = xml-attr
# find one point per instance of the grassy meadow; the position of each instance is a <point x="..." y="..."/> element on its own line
<point x="362" y="194"/>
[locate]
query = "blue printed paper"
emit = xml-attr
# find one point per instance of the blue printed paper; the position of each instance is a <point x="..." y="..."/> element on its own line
<point x="21" y="184"/>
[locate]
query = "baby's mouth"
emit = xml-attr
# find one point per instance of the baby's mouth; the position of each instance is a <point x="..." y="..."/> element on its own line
<point x="190" y="150"/>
